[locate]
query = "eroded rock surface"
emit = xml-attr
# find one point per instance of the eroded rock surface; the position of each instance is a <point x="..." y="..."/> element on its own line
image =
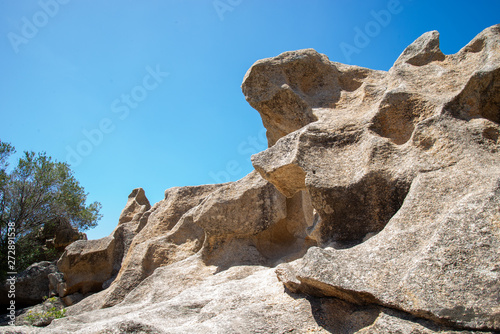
<point x="375" y="209"/>
<point x="408" y="189"/>
<point x="91" y="265"/>
<point x="137" y="205"/>
<point x="165" y="237"/>
<point x="31" y="285"/>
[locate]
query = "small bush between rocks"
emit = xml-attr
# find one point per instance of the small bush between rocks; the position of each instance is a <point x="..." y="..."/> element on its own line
<point x="49" y="311"/>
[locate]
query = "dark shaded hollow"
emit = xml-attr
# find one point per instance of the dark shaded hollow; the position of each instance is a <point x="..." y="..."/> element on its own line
<point x="340" y="317"/>
<point x="479" y="99"/>
<point x="397" y="115"/>
<point x="358" y="211"/>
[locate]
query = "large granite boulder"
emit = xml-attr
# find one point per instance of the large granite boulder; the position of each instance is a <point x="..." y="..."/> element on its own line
<point x="243" y="222"/>
<point x="375" y="209"/>
<point x="404" y="172"/>
<point x="31" y="285"/>
<point x="91" y="265"/>
<point x="165" y="237"/>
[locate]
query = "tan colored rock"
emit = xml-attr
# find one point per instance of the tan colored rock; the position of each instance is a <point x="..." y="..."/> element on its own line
<point x="278" y="88"/>
<point x="288" y="88"/>
<point x="290" y="237"/>
<point x="242" y="208"/>
<point x="190" y="297"/>
<point x="137" y="205"/>
<point x="384" y="215"/>
<point x="190" y="218"/>
<point x="423" y="51"/>
<point x="165" y="237"/>
<point x="407" y="189"/>
<point x="72" y="299"/>
<point x="248" y="222"/>
<point x="91" y="265"/>
<point x="208" y="220"/>
<point x="87" y="265"/>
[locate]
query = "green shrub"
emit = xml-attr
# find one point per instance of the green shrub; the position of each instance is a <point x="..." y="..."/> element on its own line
<point x="45" y="317"/>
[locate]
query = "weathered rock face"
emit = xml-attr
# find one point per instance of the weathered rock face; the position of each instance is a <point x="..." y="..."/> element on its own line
<point x="137" y="205"/>
<point x="165" y="238"/>
<point x="264" y="207"/>
<point x="376" y="205"/>
<point x="32" y="285"/>
<point x="243" y="222"/>
<point x="404" y="173"/>
<point x="91" y="265"/>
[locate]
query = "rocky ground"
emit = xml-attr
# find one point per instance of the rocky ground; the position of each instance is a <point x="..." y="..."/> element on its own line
<point x="375" y="209"/>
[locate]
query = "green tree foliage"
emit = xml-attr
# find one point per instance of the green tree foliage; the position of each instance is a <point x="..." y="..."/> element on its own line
<point x="37" y="195"/>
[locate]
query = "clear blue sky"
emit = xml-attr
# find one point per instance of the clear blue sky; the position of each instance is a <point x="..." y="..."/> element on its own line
<point x="147" y="93"/>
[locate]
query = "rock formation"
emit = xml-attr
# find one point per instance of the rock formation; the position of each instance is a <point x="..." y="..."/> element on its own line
<point x="91" y="265"/>
<point x="406" y="187"/>
<point x="61" y="235"/>
<point x="375" y="209"/>
<point x="32" y="284"/>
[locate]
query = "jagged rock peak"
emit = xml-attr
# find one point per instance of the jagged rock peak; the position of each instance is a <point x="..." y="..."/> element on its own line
<point x="423" y="51"/>
<point x="137" y="205"/>
<point x="300" y="87"/>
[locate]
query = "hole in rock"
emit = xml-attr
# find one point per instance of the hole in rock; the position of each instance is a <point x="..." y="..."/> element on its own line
<point x="352" y="214"/>
<point x="491" y="133"/>
<point x="338" y="316"/>
<point x="397" y="115"/>
<point x="286" y="240"/>
<point x="476" y="45"/>
<point x="352" y="79"/>
<point x="479" y="98"/>
<point x="316" y="81"/>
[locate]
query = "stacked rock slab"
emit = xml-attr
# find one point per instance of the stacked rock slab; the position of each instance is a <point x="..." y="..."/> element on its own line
<point x="376" y="205"/>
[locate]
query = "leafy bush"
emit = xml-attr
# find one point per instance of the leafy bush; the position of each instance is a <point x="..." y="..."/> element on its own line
<point x="50" y="311"/>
